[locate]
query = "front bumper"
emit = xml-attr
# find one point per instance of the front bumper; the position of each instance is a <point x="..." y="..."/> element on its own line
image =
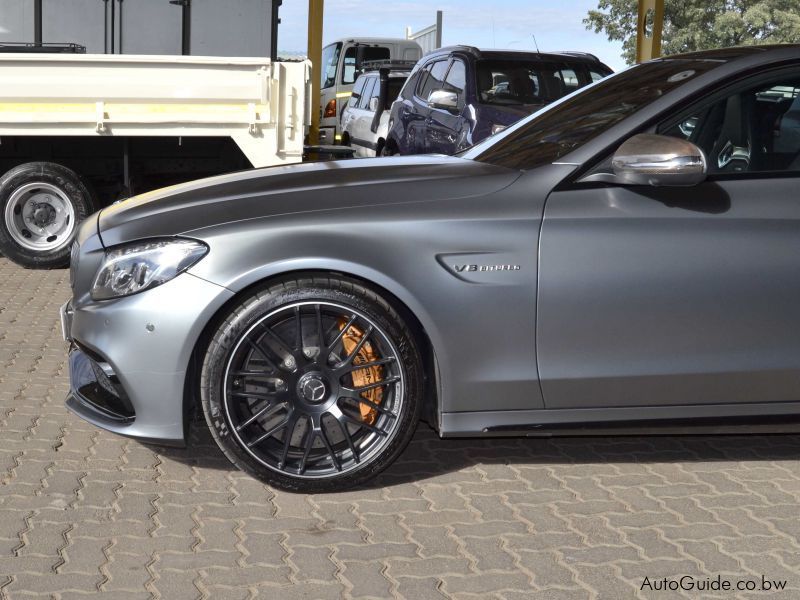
<point x="129" y="356"/>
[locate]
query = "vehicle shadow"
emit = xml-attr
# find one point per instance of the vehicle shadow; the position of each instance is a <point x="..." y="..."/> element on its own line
<point x="428" y="456"/>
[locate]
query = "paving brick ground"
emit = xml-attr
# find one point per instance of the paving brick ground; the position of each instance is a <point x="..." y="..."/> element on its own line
<point x="83" y="511"/>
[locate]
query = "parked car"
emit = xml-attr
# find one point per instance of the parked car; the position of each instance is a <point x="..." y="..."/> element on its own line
<point x="588" y="269"/>
<point x="342" y="63"/>
<point x="365" y="119"/>
<point x="460" y="95"/>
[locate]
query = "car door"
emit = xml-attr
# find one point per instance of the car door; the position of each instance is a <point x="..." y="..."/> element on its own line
<point x="417" y="130"/>
<point x="445" y="132"/>
<point x="681" y="296"/>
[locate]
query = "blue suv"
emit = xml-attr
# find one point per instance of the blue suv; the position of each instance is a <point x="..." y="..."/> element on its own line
<point x="457" y="96"/>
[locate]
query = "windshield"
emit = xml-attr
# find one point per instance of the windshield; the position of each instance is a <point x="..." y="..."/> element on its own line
<point x="552" y="132"/>
<point x="516" y="82"/>
<point x="330" y="61"/>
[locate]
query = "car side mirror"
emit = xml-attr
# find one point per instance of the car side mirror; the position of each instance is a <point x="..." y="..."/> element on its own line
<point x="648" y="159"/>
<point x="443" y="99"/>
<point x="373" y="104"/>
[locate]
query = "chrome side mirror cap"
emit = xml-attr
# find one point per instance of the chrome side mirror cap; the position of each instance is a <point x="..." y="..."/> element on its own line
<point x="443" y="99"/>
<point x="659" y="160"/>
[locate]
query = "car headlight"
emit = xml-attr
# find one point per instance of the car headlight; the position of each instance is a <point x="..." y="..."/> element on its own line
<point x="144" y="265"/>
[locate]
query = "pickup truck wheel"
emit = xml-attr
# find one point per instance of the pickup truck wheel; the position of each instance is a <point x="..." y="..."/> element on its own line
<point x="42" y="204"/>
<point x="312" y="384"/>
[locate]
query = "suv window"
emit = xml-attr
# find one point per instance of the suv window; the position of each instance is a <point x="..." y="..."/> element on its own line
<point x="518" y="82"/>
<point x="753" y="129"/>
<point x="367" y="93"/>
<point x="368" y="53"/>
<point x="433" y="79"/>
<point x="357" y="89"/>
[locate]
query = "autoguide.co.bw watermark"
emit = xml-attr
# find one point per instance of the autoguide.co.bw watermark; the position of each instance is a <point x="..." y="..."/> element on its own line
<point x="692" y="583"/>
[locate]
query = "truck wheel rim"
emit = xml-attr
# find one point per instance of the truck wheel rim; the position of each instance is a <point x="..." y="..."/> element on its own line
<point x="297" y="394"/>
<point x="40" y="217"/>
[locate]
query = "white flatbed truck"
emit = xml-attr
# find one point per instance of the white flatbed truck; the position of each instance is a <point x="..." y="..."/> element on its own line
<point x="80" y="131"/>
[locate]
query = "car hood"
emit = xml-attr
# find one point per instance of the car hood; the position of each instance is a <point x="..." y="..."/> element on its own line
<point x="310" y="187"/>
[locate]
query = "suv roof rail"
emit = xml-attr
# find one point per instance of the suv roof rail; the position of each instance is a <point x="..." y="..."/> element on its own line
<point x="372" y="65"/>
<point x="40" y="47"/>
<point x="576" y="53"/>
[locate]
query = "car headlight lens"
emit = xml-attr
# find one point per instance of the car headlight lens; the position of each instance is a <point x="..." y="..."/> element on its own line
<point x="140" y="266"/>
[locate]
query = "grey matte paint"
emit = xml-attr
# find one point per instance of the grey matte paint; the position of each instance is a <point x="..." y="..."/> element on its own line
<point x="652" y="303"/>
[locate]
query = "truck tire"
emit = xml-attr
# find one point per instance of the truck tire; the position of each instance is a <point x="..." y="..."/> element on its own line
<point x="41" y="205"/>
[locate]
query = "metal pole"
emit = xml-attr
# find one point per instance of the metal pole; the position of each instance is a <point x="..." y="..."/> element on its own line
<point x="648" y="32"/>
<point x="438" y="29"/>
<point x="315" y="11"/>
<point x="273" y="39"/>
<point x="37" y="22"/>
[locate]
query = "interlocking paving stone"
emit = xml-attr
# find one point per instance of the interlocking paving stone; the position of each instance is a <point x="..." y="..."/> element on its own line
<point x="82" y="510"/>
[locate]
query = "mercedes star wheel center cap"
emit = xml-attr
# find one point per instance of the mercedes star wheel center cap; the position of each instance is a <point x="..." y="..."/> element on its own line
<point x="312" y="388"/>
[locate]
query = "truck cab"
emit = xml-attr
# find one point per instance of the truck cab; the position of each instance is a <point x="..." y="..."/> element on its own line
<point x="342" y="64"/>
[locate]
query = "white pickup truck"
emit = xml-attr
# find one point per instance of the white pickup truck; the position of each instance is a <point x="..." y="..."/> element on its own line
<point x="79" y="131"/>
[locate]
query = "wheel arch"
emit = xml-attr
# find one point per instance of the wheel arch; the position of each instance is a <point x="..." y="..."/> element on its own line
<point x="432" y="401"/>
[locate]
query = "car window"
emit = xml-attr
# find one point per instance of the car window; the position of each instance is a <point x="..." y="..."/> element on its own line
<point x="394" y="87"/>
<point x="756" y="128"/>
<point x="330" y="60"/>
<point x="368" y="53"/>
<point x="434" y="79"/>
<point x="363" y="102"/>
<point x="569" y="79"/>
<point x="357" y="89"/>
<point x="456" y="80"/>
<point x="520" y="82"/>
<point x="595" y="75"/>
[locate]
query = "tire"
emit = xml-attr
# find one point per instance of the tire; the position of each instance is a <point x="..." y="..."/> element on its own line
<point x="41" y="205"/>
<point x="296" y="413"/>
<point x="386" y="150"/>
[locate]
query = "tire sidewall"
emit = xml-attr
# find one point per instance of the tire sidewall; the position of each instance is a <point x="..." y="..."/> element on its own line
<point x="61" y="177"/>
<point x="241" y="317"/>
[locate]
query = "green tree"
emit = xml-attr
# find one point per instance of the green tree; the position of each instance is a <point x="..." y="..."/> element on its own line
<point x="691" y="25"/>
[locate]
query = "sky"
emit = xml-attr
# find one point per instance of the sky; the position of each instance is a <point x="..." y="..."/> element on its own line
<point x="557" y="24"/>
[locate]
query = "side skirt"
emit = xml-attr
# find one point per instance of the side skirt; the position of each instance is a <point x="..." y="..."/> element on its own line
<point x="652" y="420"/>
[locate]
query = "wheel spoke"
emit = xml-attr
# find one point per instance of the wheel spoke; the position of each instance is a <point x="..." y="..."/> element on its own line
<point x="254" y="395"/>
<point x="267" y="411"/>
<point x="279" y="342"/>
<point x="268" y="433"/>
<point x="320" y="331"/>
<point x="341" y="333"/>
<point x="291" y="423"/>
<point x="371" y="386"/>
<point x="349" y="440"/>
<point x="357" y="349"/>
<point x="363" y="424"/>
<point x="381" y="409"/>
<point x="298" y="330"/>
<point x="263" y="352"/>
<point x="375" y="363"/>
<point x="312" y="434"/>
<point x="328" y="446"/>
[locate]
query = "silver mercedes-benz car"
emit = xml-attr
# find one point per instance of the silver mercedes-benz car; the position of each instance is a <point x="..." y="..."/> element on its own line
<point x="627" y="258"/>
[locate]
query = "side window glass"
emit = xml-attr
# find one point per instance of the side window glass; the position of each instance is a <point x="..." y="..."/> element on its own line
<point x="434" y="80"/>
<point x="376" y="90"/>
<point x="456" y="80"/>
<point x="367" y="93"/>
<point x="569" y="78"/>
<point x="595" y="75"/>
<point x="368" y="54"/>
<point x="359" y="87"/>
<point x="755" y="129"/>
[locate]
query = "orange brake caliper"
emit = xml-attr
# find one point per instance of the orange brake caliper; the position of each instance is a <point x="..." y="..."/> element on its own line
<point x="365" y="376"/>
